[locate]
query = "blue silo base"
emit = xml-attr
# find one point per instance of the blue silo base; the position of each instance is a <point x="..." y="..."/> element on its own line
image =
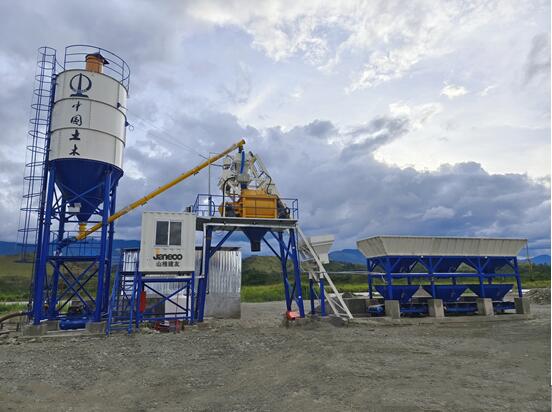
<point x="82" y="181"/>
<point x="72" y="278"/>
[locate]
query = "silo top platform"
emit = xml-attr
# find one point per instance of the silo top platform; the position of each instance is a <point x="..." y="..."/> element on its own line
<point x="439" y="246"/>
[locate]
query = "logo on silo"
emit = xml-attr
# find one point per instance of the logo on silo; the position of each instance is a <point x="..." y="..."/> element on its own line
<point x="83" y="84"/>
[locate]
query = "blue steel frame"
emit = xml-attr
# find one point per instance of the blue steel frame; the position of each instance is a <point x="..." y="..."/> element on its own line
<point x="287" y="251"/>
<point x="121" y="309"/>
<point x="75" y="265"/>
<point x="148" y="314"/>
<point x="320" y="295"/>
<point x="124" y="308"/>
<point x="441" y="267"/>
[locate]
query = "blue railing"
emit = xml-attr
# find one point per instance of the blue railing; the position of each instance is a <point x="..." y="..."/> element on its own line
<point x="212" y="205"/>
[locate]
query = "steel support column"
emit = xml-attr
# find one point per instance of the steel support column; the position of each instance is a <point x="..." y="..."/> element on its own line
<point x="103" y="249"/>
<point x="40" y="269"/>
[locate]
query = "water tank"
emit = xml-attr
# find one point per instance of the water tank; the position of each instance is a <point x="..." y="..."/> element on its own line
<point x="88" y="129"/>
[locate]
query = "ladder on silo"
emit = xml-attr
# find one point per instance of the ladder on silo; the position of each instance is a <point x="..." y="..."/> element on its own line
<point x="121" y="312"/>
<point x="34" y="181"/>
<point x="310" y="263"/>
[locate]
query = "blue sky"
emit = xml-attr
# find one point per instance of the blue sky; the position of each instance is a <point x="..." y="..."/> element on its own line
<point x="391" y="117"/>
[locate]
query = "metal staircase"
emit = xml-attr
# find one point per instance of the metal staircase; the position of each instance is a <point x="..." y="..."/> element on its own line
<point x="121" y="312"/>
<point x="319" y="279"/>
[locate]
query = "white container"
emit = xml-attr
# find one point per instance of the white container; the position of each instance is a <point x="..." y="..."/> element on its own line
<point x="168" y="242"/>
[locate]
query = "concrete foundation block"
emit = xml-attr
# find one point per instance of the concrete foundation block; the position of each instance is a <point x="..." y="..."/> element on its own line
<point x="35" y="330"/>
<point x="222" y="306"/>
<point x="485" y="306"/>
<point x="393" y="309"/>
<point x="523" y="306"/>
<point x="52" y="325"/>
<point x="95" y="327"/>
<point x="356" y="305"/>
<point x="435" y="308"/>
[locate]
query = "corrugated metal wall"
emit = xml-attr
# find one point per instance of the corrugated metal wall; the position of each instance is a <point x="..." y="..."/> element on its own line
<point x="224" y="271"/>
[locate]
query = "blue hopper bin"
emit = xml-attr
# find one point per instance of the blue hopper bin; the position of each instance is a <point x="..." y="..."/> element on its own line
<point x="496" y="292"/>
<point x="402" y="293"/>
<point x="448" y="293"/>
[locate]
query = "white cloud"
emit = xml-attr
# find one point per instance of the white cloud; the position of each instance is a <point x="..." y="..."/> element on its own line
<point x="438" y="212"/>
<point x="452" y="91"/>
<point x="487" y="89"/>
<point x="418" y="114"/>
<point x="206" y="72"/>
<point x="385" y="38"/>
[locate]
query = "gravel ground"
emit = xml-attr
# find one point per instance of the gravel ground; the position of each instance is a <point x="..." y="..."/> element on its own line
<point x="540" y="296"/>
<point x="256" y="364"/>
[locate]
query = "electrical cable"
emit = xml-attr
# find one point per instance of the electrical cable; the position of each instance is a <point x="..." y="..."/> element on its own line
<point x="173" y="140"/>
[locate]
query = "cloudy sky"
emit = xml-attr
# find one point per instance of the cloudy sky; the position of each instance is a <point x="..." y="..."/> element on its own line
<point x="382" y="117"/>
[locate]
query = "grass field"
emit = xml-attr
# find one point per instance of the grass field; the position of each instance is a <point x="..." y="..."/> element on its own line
<point x="260" y="279"/>
<point x="269" y="293"/>
<point x="15" y="279"/>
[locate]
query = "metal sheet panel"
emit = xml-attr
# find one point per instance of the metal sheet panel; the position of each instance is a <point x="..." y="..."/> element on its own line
<point x="224" y="272"/>
<point x="439" y="246"/>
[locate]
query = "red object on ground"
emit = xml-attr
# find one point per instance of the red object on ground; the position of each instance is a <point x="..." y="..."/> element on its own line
<point x="291" y="315"/>
<point x="143" y="299"/>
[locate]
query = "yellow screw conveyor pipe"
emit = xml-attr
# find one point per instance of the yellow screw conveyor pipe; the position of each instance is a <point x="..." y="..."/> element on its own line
<point x="142" y="201"/>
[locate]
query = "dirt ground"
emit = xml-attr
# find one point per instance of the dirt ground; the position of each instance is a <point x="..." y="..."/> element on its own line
<point x="256" y="364"/>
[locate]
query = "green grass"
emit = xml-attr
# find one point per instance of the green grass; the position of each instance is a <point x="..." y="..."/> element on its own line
<point x="262" y="293"/>
<point x="271" y="293"/>
<point x="15" y="279"/>
<point x="260" y="279"/>
<point x="4" y="308"/>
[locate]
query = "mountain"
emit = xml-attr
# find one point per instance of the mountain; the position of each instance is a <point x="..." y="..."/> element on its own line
<point x="8" y="248"/>
<point x="539" y="260"/>
<point x="348" y="256"/>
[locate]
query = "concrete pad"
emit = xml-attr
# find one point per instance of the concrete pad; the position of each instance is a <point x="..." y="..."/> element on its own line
<point x="222" y="306"/>
<point x="95" y="327"/>
<point x="356" y="304"/>
<point x="393" y="309"/>
<point x="523" y="305"/>
<point x="484" y="306"/>
<point x="52" y="325"/>
<point x="435" y="308"/>
<point x="35" y="330"/>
